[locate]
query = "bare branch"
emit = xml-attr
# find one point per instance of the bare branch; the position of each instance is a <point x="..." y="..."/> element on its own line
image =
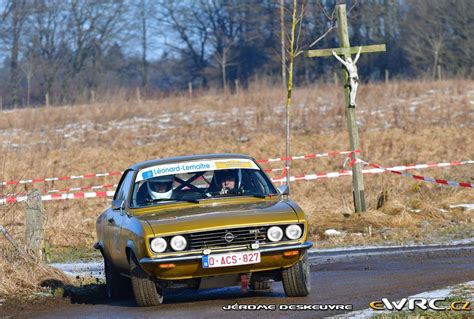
<point x="323" y="35"/>
<point x="356" y="2"/>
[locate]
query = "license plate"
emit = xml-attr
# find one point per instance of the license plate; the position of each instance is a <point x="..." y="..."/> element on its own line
<point x="231" y="259"/>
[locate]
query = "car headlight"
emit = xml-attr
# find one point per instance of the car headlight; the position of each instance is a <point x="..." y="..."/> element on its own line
<point x="275" y="233"/>
<point x="293" y="232"/>
<point x="178" y="243"/>
<point x="158" y="245"/>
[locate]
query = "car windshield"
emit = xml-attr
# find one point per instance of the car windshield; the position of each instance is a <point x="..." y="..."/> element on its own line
<point x="200" y="185"/>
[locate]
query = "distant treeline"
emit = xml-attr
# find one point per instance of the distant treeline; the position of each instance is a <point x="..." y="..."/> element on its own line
<point x="72" y="51"/>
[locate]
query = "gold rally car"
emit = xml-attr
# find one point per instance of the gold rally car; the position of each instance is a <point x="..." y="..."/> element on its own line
<point x="201" y="222"/>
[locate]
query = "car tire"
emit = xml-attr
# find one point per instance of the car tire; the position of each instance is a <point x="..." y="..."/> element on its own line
<point x="117" y="285"/>
<point x="144" y="290"/>
<point x="261" y="285"/>
<point x="297" y="279"/>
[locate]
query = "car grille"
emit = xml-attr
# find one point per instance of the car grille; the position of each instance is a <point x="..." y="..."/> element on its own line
<point x="227" y="237"/>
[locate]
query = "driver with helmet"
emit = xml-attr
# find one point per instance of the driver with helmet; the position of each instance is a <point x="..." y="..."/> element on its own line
<point x="160" y="187"/>
<point x="155" y="188"/>
<point x="227" y="182"/>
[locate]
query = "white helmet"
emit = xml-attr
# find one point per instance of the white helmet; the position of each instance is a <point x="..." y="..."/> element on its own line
<point x="161" y="179"/>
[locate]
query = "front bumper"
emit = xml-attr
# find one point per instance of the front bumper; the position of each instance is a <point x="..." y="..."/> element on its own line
<point x="190" y="266"/>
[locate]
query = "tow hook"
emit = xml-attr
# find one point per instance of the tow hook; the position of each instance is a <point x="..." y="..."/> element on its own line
<point x="244" y="280"/>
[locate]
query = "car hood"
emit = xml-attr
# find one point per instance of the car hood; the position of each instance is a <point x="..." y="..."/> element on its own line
<point x="215" y="216"/>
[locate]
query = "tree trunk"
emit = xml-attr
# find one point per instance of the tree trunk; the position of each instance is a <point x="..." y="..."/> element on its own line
<point x="144" y="47"/>
<point x="14" y="71"/>
<point x="282" y="37"/>
<point x="224" y="63"/>
<point x="435" y="64"/>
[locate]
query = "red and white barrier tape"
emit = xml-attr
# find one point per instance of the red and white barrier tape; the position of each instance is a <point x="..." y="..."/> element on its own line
<point x="377" y="170"/>
<point x="418" y="177"/>
<point x="85" y="188"/>
<point x="17" y="199"/>
<point x="307" y="156"/>
<point x="64" y="178"/>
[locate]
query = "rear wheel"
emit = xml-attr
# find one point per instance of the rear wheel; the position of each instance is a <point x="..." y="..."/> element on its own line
<point x="117" y="285"/>
<point x="297" y="279"/>
<point x="145" y="290"/>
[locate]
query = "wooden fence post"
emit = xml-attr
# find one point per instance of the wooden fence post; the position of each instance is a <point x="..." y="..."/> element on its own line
<point x="92" y="96"/>
<point x="138" y="94"/>
<point x="190" y="89"/>
<point x="237" y="87"/>
<point x="34" y="225"/>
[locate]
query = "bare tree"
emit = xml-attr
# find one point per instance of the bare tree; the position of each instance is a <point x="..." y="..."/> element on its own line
<point x="94" y="25"/>
<point x="28" y="68"/>
<point x="14" y="16"/>
<point x="49" y="28"/>
<point x="426" y="34"/>
<point x="296" y="46"/>
<point x="189" y="25"/>
<point x="223" y="33"/>
<point x="460" y="56"/>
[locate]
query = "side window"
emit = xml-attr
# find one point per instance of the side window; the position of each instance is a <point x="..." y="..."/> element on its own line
<point x="124" y="186"/>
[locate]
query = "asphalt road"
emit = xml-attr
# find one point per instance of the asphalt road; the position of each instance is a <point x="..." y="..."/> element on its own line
<point x="339" y="278"/>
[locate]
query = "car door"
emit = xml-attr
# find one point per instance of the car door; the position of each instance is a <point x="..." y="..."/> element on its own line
<point x="115" y="218"/>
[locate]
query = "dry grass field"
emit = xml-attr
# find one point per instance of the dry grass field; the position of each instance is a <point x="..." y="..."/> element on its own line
<point x="400" y="123"/>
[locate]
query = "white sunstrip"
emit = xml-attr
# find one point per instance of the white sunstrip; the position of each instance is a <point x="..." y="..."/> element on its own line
<point x="195" y="166"/>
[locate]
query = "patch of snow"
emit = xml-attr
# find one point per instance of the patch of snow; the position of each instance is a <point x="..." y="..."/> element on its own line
<point x="83" y="269"/>
<point x="467" y="207"/>
<point x="332" y="232"/>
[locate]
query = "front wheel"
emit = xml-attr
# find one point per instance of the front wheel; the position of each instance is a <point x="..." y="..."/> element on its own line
<point x="145" y="290"/>
<point x="297" y="279"/>
<point x="117" y="285"/>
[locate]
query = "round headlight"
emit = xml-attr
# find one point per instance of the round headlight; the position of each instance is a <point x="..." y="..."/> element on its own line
<point x="178" y="243"/>
<point x="275" y="233"/>
<point x="158" y="245"/>
<point x="293" y="232"/>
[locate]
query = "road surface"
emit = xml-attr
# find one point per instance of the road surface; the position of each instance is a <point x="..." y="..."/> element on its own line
<point x="355" y="278"/>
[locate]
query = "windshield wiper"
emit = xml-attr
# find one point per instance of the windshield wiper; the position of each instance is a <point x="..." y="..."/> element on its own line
<point x="257" y="195"/>
<point x="156" y="200"/>
<point x="194" y="201"/>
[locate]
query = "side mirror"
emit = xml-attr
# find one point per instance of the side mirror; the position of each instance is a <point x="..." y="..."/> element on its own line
<point x="118" y="204"/>
<point x="284" y="190"/>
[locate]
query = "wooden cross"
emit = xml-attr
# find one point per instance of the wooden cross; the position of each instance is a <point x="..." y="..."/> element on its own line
<point x="345" y="51"/>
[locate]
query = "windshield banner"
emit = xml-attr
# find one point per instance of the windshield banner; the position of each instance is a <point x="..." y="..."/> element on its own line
<point x="195" y="166"/>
